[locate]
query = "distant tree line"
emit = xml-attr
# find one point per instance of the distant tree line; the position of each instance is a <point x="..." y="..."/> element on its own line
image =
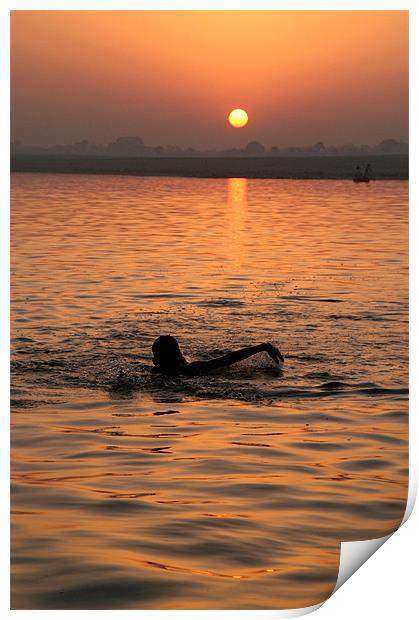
<point x="133" y="146"/>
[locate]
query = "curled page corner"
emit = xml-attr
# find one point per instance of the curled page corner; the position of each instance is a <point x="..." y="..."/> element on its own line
<point x="353" y="554"/>
<point x="411" y="495"/>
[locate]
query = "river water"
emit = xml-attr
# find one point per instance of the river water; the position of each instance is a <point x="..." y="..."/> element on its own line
<point x="232" y="491"/>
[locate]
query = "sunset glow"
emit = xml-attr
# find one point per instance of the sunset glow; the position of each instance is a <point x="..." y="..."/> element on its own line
<point x="171" y="76"/>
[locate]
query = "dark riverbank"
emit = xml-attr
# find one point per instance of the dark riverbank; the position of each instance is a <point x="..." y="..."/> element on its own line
<point x="384" y="167"/>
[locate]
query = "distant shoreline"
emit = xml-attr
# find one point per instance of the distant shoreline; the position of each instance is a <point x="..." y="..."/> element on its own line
<point x="384" y="167"/>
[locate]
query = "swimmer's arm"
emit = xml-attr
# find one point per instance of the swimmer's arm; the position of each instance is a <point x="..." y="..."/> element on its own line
<point x="198" y="368"/>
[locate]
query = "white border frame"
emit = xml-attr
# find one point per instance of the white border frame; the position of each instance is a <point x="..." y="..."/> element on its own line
<point x="385" y="586"/>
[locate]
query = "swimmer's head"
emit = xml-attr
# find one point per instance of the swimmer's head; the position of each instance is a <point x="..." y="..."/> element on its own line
<point x="167" y="355"/>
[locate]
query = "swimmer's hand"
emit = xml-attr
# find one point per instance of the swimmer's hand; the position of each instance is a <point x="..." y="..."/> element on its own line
<point x="204" y="367"/>
<point x="273" y="352"/>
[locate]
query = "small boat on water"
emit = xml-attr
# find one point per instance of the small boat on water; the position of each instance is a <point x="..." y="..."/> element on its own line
<point x="362" y="176"/>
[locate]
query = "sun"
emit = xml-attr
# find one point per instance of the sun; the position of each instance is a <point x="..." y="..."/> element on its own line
<point x="238" y="118"/>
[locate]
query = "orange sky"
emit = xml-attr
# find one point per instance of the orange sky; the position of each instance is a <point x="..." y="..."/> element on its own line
<point x="172" y="77"/>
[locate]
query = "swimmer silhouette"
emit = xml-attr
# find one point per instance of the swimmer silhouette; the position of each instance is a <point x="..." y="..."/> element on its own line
<point x="168" y="358"/>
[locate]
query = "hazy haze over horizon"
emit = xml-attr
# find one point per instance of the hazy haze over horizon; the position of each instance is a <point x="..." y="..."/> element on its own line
<point x="171" y="77"/>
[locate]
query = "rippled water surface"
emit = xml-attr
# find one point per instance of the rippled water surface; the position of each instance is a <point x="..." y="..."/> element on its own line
<point x="229" y="491"/>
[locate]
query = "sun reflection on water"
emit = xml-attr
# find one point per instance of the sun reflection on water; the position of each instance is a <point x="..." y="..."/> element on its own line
<point x="236" y="213"/>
